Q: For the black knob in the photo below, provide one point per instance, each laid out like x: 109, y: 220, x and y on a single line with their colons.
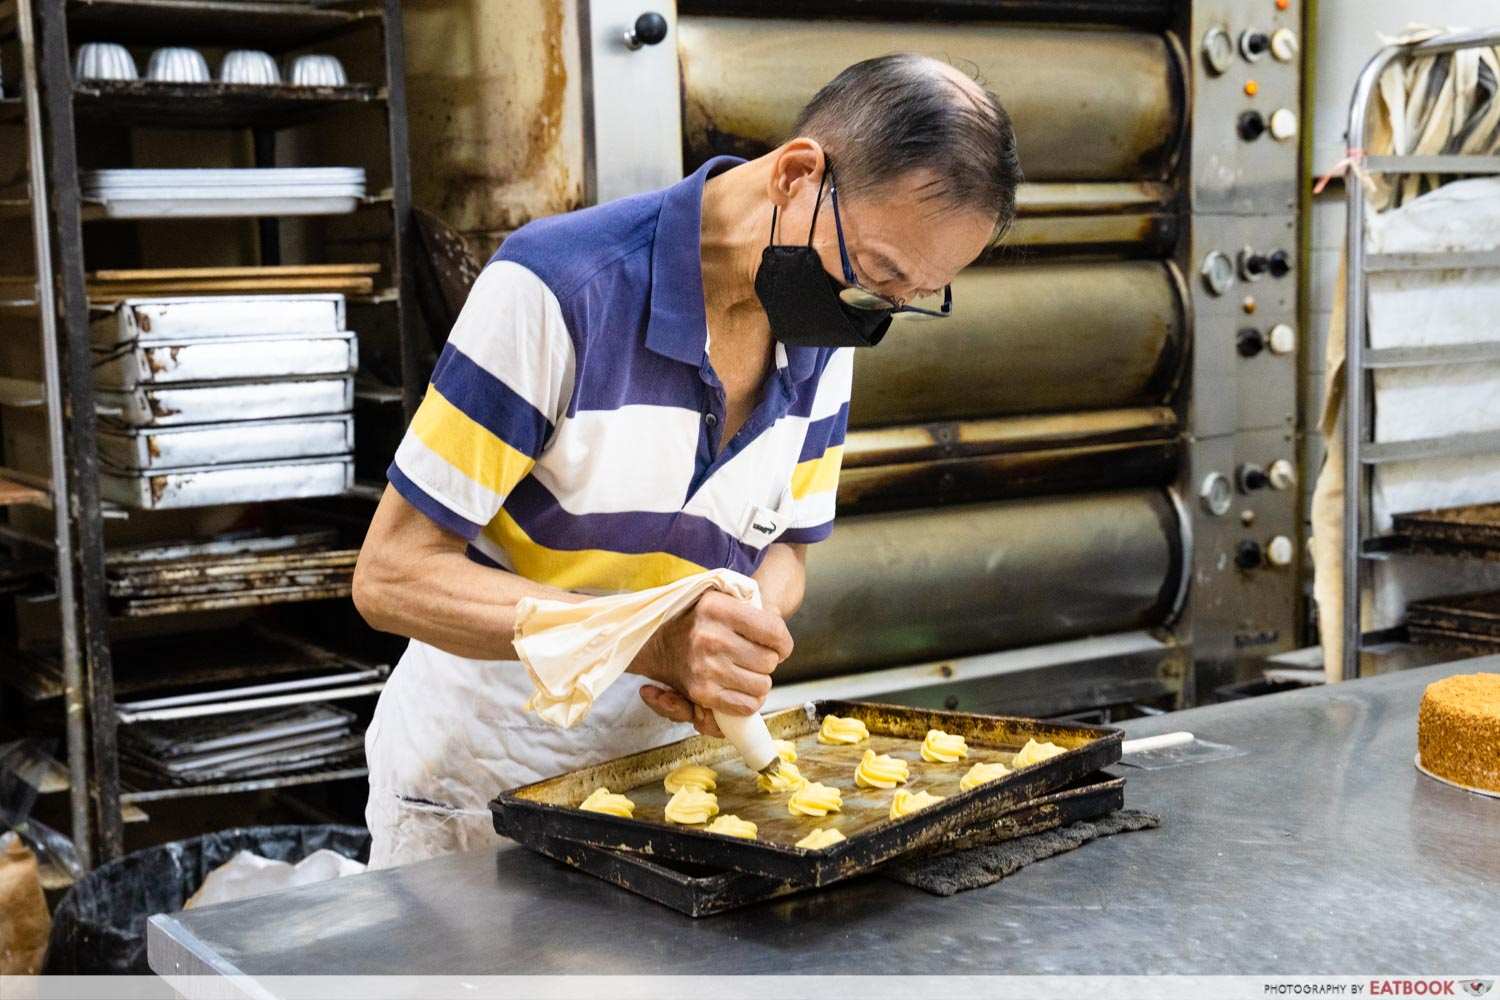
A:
x: 1251, y: 478
x: 1256, y: 264
x: 1256, y: 43
x: 1279, y: 264
x: 1252, y: 125
x: 650, y: 29
x: 1247, y: 555
x: 1250, y: 343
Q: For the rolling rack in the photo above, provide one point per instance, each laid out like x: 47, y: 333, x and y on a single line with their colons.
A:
x: 1361, y: 452
x: 83, y: 671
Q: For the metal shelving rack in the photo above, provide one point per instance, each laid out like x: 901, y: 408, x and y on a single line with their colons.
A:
x: 47, y: 30
x: 1361, y: 452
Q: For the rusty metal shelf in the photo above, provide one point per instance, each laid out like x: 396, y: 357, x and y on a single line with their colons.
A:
x: 14, y: 494
x: 250, y: 785
x: 193, y: 660
x: 157, y: 104
x: 273, y: 26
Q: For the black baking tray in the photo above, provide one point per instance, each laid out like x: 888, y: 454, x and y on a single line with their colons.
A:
x: 544, y: 811
x: 698, y: 891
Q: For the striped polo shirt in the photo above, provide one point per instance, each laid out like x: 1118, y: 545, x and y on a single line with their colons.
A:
x: 571, y: 429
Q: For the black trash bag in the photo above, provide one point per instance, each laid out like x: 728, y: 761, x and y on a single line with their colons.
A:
x: 100, y: 925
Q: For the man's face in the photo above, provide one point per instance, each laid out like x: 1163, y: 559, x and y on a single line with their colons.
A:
x: 902, y: 242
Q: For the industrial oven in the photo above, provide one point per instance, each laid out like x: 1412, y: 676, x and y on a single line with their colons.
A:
x: 1080, y: 491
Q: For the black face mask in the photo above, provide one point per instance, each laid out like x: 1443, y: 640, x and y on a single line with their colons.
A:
x: 801, y: 299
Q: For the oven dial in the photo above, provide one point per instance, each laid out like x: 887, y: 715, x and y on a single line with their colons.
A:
x: 1216, y: 494
x: 1247, y: 555
x: 1251, y: 125
x: 1284, y: 44
x: 1279, y: 551
x: 1282, y: 339
x: 1253, y: 44
x: 1249, y: 342
x: 1217, y: 272
x: 1218, y: 50
x: 1282, y: 475
x: 1283, y: 124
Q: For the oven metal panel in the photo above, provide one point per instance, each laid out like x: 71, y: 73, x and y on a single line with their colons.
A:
x: 897, y: 588
x: 1032, y: 338
x: 744, y: 80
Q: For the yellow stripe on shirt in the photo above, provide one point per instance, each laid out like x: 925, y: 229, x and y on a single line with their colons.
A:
x: 818, y: 475
x: 594, y: 570
x: 466, y: 445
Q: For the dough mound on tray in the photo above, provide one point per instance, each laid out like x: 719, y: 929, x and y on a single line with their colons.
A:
x: 981, y: 774
x: 602, y: 800
x: 786, y: 778
x: 880, y: 770
x: 732, y: 826
x: 820, y: 838
x: 907, y: 802
x: 705, y: 779
x: 815, y: 799
x: 692, y: 806
x: 1458, y: 730
x: 786, y: 750
x: 941, y: 748
x: 847, y: 731
x: 1034, y: 753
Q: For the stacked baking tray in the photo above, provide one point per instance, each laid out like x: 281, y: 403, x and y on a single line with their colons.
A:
x: 225, y: 399
x: 243, y: 746
x: 239, y: 571
x: 254, y: 191
x: 699, y: 873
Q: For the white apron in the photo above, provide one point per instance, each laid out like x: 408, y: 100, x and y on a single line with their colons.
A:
x: 449, y: 733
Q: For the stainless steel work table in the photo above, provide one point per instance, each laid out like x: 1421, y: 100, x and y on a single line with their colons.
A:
x: 1321, y: 851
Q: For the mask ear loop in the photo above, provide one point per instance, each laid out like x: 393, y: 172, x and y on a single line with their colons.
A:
x: 818, y: 205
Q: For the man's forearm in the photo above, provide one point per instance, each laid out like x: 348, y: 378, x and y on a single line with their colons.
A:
x: 449, y: 601
x: 413, y: 579
x: 783, y: 578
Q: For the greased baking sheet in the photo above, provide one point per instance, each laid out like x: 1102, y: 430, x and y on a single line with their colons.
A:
x: 548, y: 809
x: 699, y: 891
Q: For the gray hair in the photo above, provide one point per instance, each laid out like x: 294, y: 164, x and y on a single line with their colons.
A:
x: 886, y: 117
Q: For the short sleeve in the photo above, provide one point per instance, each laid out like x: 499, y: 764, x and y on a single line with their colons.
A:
x: 500, y: 386
x: 815, y: 481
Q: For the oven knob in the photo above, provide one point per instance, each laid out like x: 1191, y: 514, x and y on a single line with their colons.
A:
x: 1253, y: 44
x: 1251, y: 478
x: 1216, y: 494
x: 1253, y: 266
x: 649, y: 29
x: 1284, y: 44
x: 1250, y: 342
x: 1282, y: 475
x: 1283, y: 124
x: 1217, y: 272
x: 1279, y: 264
x: 1251, y: 125
x: 1279, y: 551
x: 1218, y: 50
x: 1282, y: 339
x: 1247, y: 555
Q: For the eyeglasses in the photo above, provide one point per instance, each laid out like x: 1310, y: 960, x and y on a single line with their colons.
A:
x: 856, y: 296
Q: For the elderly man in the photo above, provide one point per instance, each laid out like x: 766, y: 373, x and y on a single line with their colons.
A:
x: 640, y: 391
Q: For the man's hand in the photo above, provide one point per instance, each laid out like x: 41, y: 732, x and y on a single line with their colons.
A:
x: 717, y: 655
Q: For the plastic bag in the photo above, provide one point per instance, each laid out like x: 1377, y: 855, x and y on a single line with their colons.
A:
x: 100, y: 925
x: 248, y: 874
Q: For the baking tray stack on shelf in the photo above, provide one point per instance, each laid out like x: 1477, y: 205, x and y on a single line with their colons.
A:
x: 1468, y: 622
x: 224, y: 399
x: 243, y: 745
x: 234, y: 192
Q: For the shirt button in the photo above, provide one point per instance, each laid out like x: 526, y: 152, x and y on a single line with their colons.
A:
x: 710, y: 419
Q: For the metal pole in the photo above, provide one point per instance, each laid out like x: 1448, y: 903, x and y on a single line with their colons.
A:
x: 56, y: 83
x: 72, y: 664
x: 1356, y: 407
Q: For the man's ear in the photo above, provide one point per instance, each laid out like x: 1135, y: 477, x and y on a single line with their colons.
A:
x: 799, y: 162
